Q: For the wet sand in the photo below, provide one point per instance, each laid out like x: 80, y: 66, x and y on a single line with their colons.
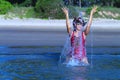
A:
x: 36, y: 32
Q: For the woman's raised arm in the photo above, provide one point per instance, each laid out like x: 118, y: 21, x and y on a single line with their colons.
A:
x: 65, y: 10
x: 90, y: 20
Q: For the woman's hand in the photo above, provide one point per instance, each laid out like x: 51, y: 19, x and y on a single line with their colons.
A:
x: 65, y: 10
x: 94, y: 9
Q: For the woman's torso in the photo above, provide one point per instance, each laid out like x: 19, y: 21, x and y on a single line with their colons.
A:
x: 78, y: 45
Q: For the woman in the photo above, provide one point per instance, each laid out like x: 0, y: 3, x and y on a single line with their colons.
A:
x: 76, y: 50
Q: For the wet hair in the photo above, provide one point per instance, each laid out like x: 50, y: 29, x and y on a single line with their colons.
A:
x: 78, y: 20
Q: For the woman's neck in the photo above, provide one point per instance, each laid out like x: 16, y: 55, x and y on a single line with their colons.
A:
x: 76, y: 33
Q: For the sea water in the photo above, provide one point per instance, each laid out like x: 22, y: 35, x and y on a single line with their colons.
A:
x: 30, y: 63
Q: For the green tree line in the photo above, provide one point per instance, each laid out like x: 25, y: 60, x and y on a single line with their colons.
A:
x: 84, y: 3
x: 52, y: 8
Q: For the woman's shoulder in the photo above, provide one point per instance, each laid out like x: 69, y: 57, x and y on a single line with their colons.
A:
x: 71, y: 33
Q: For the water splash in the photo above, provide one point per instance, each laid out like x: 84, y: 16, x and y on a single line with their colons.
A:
x: 91, y: 38
x: 80, y: 14
x: 75, y: 62
x: 72, y: 61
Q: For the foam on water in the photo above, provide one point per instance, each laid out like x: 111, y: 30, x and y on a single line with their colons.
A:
x: 75, y: 62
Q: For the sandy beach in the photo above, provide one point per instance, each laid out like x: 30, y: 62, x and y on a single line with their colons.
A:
x: 32, y: 23
x: 38, y: 32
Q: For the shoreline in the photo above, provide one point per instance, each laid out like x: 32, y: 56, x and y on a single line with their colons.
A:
x: 32, y: 24
x: 37, y: 32
x: 29, y: 22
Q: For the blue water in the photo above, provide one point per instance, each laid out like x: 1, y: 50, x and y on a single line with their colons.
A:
x: 41, y: 63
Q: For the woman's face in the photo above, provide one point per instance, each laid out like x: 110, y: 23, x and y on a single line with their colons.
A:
x: 78, y: 26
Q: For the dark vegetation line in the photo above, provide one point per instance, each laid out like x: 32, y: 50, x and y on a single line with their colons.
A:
x: 40, y: 9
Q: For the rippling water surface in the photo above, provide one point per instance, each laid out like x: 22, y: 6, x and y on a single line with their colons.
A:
x: 41, y: 63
